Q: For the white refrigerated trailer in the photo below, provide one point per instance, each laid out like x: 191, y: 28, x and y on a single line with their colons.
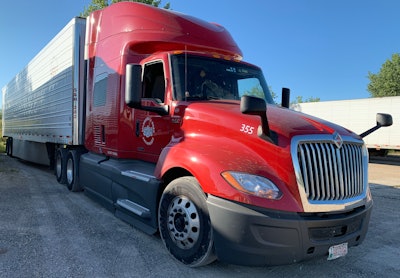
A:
x: 357, y: 114
x: 43, y: 105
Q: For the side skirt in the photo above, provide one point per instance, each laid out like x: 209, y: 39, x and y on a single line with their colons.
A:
x: 128, y: 188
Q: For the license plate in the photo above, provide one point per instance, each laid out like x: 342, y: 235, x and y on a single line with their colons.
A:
x: 337, y: 251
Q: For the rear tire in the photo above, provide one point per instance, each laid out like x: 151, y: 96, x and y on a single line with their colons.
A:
x: 72, y: 171
x: 380, y: 153
x: 60, y: 165
x: 184, y: 223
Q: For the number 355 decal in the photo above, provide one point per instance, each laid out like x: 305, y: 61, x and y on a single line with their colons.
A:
x: 247, y: 129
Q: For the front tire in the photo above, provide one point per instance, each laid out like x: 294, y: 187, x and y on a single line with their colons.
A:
x: 184, y: 223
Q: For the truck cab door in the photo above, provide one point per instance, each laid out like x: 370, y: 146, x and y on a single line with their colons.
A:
x: 153, y: 129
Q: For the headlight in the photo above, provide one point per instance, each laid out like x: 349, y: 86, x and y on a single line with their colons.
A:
x: 252, y: 184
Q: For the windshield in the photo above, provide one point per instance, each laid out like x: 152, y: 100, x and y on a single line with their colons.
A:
x: 202, y: 78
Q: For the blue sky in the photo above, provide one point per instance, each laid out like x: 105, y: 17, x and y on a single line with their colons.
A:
x: 316, y: 48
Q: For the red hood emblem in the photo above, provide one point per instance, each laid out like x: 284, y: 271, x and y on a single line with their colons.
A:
x: 337, y: 139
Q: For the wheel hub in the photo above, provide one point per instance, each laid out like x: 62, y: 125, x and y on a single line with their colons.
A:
x: 179, y: 222
x: 183, y: 222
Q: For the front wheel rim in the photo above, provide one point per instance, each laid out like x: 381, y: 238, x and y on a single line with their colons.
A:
x: 183, y: 222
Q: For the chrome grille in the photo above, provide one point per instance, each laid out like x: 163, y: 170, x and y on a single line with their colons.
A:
x: 329, y: 173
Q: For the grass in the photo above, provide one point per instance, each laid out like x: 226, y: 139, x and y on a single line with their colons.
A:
x: 8, y: 170
x: 2, y: 145
x: 394, y: 152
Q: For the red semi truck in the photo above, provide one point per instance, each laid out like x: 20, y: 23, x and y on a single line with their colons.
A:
x: 154, y: 115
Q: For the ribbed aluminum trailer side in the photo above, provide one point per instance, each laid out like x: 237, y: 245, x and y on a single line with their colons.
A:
x: 43, y: 106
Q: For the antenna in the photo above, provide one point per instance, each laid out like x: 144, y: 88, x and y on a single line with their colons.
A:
x: 186, y: 92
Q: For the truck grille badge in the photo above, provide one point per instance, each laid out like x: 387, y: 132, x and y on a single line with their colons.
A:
x: 337, y: 139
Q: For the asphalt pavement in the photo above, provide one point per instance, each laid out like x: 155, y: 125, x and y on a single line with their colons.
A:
x: 47, y: 231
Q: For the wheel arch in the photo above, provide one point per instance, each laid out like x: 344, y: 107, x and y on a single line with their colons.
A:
x: 174, y: 173
x: 170, y: 175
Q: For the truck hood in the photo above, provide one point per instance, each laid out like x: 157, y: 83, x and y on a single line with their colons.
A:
x: 225, y: 116
x: 218, y: 137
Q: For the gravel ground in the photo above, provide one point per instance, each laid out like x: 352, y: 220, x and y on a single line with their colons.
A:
x: 47, y: 231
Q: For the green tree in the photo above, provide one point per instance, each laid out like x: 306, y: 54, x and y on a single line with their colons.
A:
x: 273, y: 94
x: 256, y: 91
x: 100, y: 4
x: 387, y: 81
x: 299, y: 99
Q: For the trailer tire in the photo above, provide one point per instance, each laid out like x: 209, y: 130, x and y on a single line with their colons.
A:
x: 60, y: 165
x: 184, y: 223
x: 72, y: 171
x: 380, y: 152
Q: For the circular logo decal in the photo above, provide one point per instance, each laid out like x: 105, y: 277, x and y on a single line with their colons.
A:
x: 148, y: 131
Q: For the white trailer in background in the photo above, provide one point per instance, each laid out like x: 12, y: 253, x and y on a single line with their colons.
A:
x: 357, y: 115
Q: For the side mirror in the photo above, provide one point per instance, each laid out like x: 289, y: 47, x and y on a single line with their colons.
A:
x: 133, y: 91
x: 381, y: 120
x: 384, y: 119
x: 133, y: 86
x: 252, y: 105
